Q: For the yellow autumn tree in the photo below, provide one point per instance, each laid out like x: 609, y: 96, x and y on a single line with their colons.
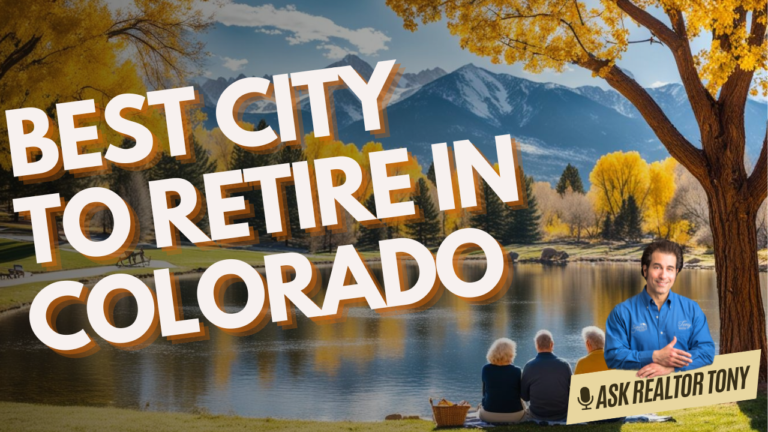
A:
x: 660, y: 192
x: 54, y: 52
x: 552, y: 34
x: 617, y: 176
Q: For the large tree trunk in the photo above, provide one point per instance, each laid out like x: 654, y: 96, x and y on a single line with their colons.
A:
x: 742, y: 316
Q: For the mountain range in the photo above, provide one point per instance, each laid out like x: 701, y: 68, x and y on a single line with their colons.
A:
x: 553, y: 124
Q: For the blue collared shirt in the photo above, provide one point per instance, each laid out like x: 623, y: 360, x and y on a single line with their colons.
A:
x: 636, y: 328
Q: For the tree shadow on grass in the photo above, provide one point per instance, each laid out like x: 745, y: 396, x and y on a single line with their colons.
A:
x: 755, y: 410
x: 17, y: 252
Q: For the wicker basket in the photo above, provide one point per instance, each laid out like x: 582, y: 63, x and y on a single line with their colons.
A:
x: 446, y: 416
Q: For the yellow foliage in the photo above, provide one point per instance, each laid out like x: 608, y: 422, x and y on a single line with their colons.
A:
x: 678, y: 231
x: 660, y: 193
x: 55, y: 52
x: 617, y: 176
x: 556, y: 229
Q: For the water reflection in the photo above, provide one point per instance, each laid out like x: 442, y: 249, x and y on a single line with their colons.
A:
x: 361, y: 369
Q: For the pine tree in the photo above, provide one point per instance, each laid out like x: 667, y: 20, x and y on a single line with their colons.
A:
x: 369, y: 237
x: 291, y: 154
x: 523, y: 224
x: 634, y: 220
x: 243, y: 159
x: 494, y: 218
x: 431, y: 173
x: 570, y: 178
x: 170, y: 167
x: 426, y: 229
x: 607, y: 230
x: 620, y: 222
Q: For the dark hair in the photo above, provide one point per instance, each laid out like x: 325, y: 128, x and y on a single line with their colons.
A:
x: 663, y: 246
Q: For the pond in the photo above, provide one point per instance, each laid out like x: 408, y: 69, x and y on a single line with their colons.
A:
x: 361, y: 369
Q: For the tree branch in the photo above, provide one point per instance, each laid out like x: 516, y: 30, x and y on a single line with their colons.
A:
x: 17, y: 55
x: 702, y: 103
x: 664, y: 33
x: 758, y: 180
x: 733, y: 95
x: 677, y: 40
x: 677, y: 145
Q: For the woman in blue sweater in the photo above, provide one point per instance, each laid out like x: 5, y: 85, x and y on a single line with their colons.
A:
x: 501, y: 385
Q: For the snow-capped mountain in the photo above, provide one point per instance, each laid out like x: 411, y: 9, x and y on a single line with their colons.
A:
x: 346, y: 105
x: 553, y: 124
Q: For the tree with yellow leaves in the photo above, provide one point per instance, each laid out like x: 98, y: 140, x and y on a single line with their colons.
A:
x: 53, y: 52
x: 549, y: 34
x: 661, y: 189
x: 617, y: 176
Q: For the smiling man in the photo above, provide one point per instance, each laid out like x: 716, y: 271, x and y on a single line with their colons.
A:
x: 658, y: 331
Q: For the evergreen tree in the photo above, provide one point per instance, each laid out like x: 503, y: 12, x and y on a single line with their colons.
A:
x: 634, y: 220
x: 291, y: 154
x: 426, y: 229
x: 243, y: 159
x: 620, y: 222
x: 494, y: 218
x: 607, y: 231
x: 369, y: 237
x: 570, y: 177
x: 431, y: 173
x: 523, y: 224
x: 170, y: 167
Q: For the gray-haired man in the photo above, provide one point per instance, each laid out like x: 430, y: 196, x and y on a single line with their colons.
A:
x: 546, y: 381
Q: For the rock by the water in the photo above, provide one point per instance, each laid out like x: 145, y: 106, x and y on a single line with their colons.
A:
x: 394, y: 417
x: 513, y: 256
x: 547, y: 254
x: 693, y: 261
x: 551, y: 254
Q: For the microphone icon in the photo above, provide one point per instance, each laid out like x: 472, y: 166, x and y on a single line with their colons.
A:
x: 584, y: 396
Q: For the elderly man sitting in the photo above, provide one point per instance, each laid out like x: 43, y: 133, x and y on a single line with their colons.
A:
x: 546, y: 382
x: 594, y: 339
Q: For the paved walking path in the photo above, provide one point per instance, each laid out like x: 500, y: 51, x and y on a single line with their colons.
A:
x: 76, y: 274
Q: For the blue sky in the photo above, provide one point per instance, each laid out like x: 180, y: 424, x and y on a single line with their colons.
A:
x: 257, y: 38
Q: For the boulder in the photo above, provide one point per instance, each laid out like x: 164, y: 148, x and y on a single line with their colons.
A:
x: 513, y: 256
x: 551, y: 254
x: 693, y: 261
x: 547, y: 254
x: 394, y: 417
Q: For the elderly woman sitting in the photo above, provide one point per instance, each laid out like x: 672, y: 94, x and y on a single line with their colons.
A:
x: 501, y: 385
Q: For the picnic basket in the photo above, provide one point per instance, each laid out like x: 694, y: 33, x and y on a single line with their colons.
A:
x: 452, y: 415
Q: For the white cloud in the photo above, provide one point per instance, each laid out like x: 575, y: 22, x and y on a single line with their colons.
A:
x: 234, y: 64
x: 208, y: 74
x: 658, y: 84
x: 269, y: 31
x: 300, y: 27
x: 334, y: 52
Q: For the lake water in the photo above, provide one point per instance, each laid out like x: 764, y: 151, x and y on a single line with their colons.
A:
x: 362, y: 369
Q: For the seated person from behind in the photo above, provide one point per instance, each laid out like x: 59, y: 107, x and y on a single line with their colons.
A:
x: 501, y: 385
x: 594, y: 361
x: 546, y: 382
x: 658, y: 331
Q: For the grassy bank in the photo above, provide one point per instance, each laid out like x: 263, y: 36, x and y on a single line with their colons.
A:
x: 16, y: 252
x: 742, y: 416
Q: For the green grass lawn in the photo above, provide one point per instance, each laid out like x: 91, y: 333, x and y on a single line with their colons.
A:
x: 742, y: 416
x: 15, y: 296
x: 15, y: 252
